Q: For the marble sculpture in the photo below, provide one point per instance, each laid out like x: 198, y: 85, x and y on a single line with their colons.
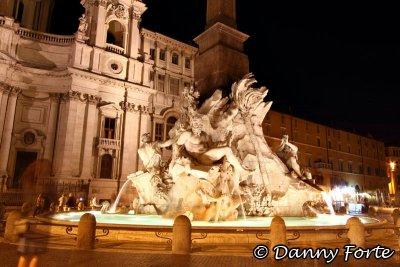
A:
x: 221, y: 165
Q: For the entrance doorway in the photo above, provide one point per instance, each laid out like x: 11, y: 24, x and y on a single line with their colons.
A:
x: 21, y: 171
x: 106, y: 166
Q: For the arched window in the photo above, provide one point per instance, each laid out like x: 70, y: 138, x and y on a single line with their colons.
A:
x: 175, y: 58
x: 170, y: 124
x: 115, y: 33
x: 106, y: 166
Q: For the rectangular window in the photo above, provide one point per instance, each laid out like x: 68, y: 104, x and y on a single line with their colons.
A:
x: 159, y: 132
x: 329, y: 144
x: 174, y: 86
x: 187, y: 63
x: 109, y: 128
x: 152, y: 53
x: 350, y: 167
x: 151, y: 76
x: 160, y: 83
x: 318, y: 142
x: 162, y: 54
x: 175, y: 59
x: 369, y: 170
x: 283, y: 131
x: 360, y: 169
x: 341, y: 165
x: 348, y: 149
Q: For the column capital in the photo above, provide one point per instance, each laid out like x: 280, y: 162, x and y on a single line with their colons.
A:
x: 138, y: 8
x: 130, y: 107
x: 72, y: 96
x: 9, y: 89
x: 92, y: 99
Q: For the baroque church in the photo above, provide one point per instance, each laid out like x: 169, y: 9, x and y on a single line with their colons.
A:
x: 73, y: 108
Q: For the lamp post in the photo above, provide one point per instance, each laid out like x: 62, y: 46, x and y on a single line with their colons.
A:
x: 393, y: 180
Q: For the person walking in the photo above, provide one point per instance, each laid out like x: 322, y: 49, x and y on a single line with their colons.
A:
x: 70, y: 202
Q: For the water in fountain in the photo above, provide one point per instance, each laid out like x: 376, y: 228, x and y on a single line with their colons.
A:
x: 115, y: 204
x: 328, y: 201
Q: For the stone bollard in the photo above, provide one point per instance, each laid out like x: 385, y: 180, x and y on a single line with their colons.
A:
x: 356, y: 232
x: 86, y: 232
x: 398, y: 228
x: 10, y: 234
x: 395, y: 216
x: 181, y: 235
x: 278, y: 232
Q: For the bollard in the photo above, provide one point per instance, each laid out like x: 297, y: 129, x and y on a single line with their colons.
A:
x: 356, y: 232
x: 278, y: 232
x: 395, y: 216
x: 10, y: 234
x: 181, y: 235
x: 86, y: 232
x: 398, y: 229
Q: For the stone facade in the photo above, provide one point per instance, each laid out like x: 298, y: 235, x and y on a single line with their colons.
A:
x: 73, y: 108
x: 335, y: 157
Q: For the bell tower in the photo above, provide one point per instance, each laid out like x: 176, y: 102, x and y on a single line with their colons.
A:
x: 112, y: 22
x: 221, y: 60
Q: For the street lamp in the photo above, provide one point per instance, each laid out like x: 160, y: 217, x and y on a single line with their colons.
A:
x: 392, y: 165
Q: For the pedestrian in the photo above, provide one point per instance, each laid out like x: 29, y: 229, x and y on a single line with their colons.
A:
x: 61, y: 202
x: 70, y: 202
x: 39, y: 206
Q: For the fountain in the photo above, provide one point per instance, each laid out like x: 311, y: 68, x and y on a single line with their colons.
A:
x: 222, y: 173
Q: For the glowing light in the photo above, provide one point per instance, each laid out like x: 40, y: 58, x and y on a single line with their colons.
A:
x: 392, y: 165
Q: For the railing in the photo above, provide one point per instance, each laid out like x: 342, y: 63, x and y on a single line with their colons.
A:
x: 109, y: 143
x: 115, y: 49
x: 45, y: 37
x: 323, y: 165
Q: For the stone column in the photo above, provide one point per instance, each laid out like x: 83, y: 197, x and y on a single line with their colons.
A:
x: 78, y: 136
x: 138, y: 9
x: 52, y: 126
x: 3, y: 106
x: 130, y: 142
x: 167, y: 57
x: 157, y: 54
x: 90, y: 133
x: 62, y: 166
x: 7, y: 130
x: 145, y: 121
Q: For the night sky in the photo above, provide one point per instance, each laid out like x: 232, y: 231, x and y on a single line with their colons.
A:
x: 333, y: 64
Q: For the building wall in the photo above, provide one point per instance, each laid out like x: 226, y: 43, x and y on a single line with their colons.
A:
x: 334, y: 156
x: 59, y: 93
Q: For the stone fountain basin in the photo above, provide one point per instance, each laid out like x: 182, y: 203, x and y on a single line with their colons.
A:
x: 325, y: 230
x: 135, y: 221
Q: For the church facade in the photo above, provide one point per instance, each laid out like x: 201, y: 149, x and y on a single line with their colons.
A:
x: 73, y: 108
x: 77, y: 105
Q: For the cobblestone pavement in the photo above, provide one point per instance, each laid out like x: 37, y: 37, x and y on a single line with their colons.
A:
x: 72, y: 257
